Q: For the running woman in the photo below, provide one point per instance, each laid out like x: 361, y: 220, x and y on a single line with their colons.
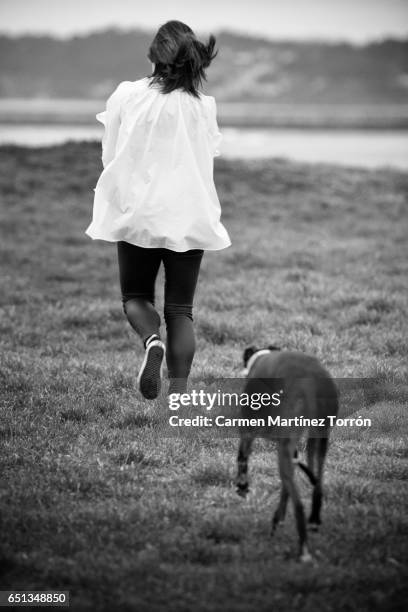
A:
x: 156, y: 196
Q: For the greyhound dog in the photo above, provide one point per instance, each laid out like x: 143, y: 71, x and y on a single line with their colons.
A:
x: 307, y: 392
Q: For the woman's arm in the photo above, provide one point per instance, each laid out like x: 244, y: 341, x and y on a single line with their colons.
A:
x: 110, y: 118
x: 215, y: 134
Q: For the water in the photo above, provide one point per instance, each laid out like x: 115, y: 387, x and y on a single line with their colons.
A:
x: 366, y: 148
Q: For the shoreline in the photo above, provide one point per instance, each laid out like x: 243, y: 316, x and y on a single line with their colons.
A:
x: 272, y: 149
x: 60, y: 111
x: 256, y: 123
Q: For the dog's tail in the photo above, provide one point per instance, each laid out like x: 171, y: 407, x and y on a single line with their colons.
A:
x: 305, y: 469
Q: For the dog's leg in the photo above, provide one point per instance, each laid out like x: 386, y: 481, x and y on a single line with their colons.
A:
x: 321, y: 445
x: 286, y: 470
x: 244, y: 451
x: 310, y: 452
x: 280, y: 511
x: 312, y: 448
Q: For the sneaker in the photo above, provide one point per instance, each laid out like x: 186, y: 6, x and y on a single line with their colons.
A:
x: 149, y: 378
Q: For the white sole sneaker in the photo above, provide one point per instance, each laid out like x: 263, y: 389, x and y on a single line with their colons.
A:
x: 151, y: 371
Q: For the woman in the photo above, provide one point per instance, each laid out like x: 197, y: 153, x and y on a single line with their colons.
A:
x: 156, y: 196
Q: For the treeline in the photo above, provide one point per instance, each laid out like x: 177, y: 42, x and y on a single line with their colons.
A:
x: 247, y: 68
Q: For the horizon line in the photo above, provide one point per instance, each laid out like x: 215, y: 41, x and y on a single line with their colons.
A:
x: 219, y: 31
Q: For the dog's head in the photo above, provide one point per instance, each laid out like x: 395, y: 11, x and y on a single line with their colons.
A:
x: 251, y: 350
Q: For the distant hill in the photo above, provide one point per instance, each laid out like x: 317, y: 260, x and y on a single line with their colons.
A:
x: 246, y: 69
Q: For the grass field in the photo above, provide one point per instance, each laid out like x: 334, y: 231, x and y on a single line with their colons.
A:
x: 94, y: 500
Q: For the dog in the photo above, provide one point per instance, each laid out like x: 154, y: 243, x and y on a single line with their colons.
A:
x: 307, y: 391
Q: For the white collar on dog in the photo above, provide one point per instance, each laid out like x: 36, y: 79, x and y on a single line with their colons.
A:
x: 252, y: 360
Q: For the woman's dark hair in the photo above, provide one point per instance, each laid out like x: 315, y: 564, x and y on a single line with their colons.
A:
x: 180, y: 58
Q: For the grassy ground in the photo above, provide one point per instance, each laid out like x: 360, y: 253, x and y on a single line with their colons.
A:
x: 94, y: 500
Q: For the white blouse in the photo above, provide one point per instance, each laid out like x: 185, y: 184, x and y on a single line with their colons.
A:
x: 157, y: 187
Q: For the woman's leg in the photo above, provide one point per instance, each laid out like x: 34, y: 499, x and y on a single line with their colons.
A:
x: 181, y: 271
x: 138, y: 268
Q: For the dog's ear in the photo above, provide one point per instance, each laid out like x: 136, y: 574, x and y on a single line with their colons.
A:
x: 272, y: 347
x: 249, y: 351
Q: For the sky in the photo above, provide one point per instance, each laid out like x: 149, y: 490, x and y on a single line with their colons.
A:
x: 352, y: 20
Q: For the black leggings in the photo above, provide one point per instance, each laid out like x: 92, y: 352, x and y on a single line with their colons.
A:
x: 138, y: 268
